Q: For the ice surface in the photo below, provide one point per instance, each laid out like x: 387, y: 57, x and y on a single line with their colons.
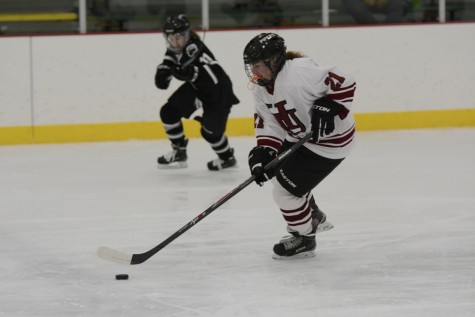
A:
x: 403, y: 206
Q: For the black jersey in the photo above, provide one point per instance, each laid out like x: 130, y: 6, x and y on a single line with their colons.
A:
x: 212, y: 85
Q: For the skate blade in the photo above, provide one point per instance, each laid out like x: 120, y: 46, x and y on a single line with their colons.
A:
x: 324, y: 227
x: 174, y: 165
x: 308, y: 254
x: 321, y: 228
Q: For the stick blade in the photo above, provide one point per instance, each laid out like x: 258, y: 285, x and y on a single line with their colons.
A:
x: 114, y: 255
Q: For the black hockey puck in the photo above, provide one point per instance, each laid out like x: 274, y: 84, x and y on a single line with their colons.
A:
x: 122, y: 277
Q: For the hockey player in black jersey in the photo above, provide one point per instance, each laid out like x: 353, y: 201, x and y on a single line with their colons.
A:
x: 205, y: 85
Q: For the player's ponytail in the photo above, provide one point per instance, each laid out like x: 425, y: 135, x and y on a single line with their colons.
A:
x: 194, y: 35
x: 294, y: 54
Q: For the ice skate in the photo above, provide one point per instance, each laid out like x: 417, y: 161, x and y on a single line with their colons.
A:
x: 176, y: 158
x: 296, y: 247
x: 219, y: 163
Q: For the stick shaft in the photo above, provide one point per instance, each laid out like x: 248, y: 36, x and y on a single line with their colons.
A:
x: 139, y: 258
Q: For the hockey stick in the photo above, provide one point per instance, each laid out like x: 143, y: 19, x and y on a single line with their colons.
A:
x: 126, y: 258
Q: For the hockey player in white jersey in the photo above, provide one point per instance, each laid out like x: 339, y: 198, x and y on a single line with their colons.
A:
x: 293, y: 95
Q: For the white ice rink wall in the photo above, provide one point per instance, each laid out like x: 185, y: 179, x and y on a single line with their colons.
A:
x: 100, y: 87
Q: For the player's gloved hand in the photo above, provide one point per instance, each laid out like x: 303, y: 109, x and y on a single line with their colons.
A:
x: 259, y: 157
x: 163, y: 76
x: 188, y: 73
x: 323, y: 116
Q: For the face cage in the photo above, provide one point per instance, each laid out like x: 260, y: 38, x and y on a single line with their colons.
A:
x: 254, y: 78
x: 168, y: 39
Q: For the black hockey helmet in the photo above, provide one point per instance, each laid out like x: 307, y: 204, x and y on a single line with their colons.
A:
x: 269, y: 48
x: 175, y: 25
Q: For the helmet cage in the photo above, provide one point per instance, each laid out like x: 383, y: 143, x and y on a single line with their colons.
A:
x: 274, y: 64
x: 173, y: 39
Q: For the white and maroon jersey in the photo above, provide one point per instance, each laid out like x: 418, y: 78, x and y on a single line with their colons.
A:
x: 285, y: 111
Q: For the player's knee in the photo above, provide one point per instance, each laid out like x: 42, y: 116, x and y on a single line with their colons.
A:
x: 168, y: 114
x: 210, y: 136
x: 283, y: 198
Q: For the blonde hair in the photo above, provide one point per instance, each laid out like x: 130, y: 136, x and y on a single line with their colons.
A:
x: 294, y: 54
x: 194, y: 35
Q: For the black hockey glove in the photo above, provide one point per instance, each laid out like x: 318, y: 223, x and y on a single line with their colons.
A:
x: 259, y: 157
x: 323, y: 116
x: 189, y: 73
x: 163, y: 77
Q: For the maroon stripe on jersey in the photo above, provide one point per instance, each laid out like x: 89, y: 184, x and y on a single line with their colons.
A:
x: 340, y: 140
x: 343, y: 113
x: 342, y: 95
x: 336, y: 145
x: 346, y: 100
x: 270, y: 141
x: 347, y: 87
